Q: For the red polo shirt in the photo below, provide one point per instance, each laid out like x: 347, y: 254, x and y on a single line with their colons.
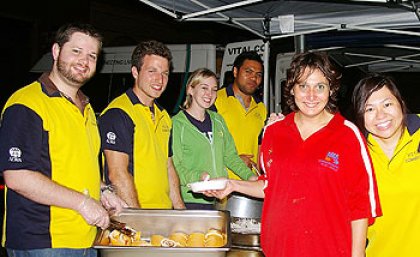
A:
x: 315, y: 188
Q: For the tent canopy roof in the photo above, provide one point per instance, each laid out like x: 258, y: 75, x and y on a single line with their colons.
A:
x: 276, y: 19
x: 321, y: 21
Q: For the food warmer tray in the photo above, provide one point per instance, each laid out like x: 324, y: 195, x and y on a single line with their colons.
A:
x: 165, y: 222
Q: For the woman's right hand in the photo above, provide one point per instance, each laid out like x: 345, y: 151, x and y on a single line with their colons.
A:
x: 222, y: 193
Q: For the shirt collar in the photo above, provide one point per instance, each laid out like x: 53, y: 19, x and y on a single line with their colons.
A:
x: 230, y: 92
x: 50, y: 89
x: 413, y: 123
x: 333, y: 124
x: 135, y: 100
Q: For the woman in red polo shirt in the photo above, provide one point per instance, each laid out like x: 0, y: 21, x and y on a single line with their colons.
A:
x: 319, y: 188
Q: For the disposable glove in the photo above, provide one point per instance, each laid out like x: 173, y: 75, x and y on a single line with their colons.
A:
x: 112, y: 202
x: 93, y: 212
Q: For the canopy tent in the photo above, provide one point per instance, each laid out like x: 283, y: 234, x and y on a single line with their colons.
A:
x: 270, y: 20
x: 277, y: 19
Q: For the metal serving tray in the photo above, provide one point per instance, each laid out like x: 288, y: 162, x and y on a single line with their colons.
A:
x: 166, y: 222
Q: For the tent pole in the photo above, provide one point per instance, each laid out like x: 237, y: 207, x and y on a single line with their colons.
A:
x: 300, y: 43
x: 266, y: 74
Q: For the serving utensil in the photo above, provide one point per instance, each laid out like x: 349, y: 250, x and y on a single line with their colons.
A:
x: 122, y: 227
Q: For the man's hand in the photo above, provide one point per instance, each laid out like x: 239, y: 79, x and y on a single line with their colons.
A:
x: 112, y: 202
x: 247, y: 159
x: 93, y: 212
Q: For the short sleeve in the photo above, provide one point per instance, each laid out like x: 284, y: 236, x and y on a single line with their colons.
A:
x: 21, y: 137
x: 117, y: 131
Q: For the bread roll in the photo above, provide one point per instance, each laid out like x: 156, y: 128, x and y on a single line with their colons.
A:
x: 136, y: 237
x: 180, y: 238
x: 214, y: 241
x: 104, y: 237
x: 140, y: 243
x: 195, y: 240
x: 156, y: 240
x: 118, y: 239
x: 214, y: 238
x: 168, y: 243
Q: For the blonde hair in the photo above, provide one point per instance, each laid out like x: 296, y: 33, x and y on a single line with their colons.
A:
x: 195, y: 79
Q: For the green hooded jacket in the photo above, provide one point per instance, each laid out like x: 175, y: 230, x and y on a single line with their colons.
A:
x: 193, y: 154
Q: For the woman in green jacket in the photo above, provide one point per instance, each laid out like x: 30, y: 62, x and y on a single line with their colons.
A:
x: 202, y: 145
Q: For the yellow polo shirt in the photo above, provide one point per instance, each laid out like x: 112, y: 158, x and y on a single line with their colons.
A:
x: 147, y: 147
x: 244, y: 125
x: 49, y: 135
x: 397, y: 232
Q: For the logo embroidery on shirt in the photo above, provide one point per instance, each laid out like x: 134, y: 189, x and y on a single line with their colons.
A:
x: 165, y: 128
x: 258, y: 116
x: 110, y: 138
x: 15, y: 154
x: 412, y: 156
x: 331, y: 161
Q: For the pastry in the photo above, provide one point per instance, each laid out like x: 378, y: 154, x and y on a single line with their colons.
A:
x: 180, y: 238
x: 156, y: 240
x: 214, y: 238
x: 195, y: 240
x: 119, y: 239
x: 105, y: 237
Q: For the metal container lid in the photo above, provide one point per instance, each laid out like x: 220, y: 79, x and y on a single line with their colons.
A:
x: 242, y: 206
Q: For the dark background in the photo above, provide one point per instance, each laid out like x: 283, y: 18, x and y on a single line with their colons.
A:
x: 27, y: 33
x: 27, y: 29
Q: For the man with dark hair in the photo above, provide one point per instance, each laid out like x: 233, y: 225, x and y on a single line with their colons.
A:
x: 244, y: 112
x: 135, y: 135
x: 49, y: 156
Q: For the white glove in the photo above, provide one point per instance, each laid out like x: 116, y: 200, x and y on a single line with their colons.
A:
x: 112, y: 202
x: 93, y: 212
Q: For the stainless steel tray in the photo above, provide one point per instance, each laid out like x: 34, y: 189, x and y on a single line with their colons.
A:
x: 166, y: 222
x: 162, y: 252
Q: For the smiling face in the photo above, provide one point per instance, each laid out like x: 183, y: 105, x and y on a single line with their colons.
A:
x: 204, y: 93
x: 151, y: 79
x: 311, y: 93
x: 383, y: 115
x: 76, y: 60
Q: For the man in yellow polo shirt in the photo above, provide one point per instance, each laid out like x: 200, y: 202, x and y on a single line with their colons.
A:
x: 135, y: 135
x: 49, y: 154
x: 244, y: 112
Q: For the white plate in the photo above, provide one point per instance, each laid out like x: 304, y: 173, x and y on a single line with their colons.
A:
x: 201, y: 186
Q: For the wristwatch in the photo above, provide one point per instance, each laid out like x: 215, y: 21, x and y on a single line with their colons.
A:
x: 109, y: 188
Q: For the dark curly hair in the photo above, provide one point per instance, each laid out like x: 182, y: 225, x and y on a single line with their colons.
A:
x: 247, y: 55
x: 312, y: 61
x: 365, y: 88
x: 151, y: 47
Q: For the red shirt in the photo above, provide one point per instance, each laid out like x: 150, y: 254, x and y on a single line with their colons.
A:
x: 315, y: 188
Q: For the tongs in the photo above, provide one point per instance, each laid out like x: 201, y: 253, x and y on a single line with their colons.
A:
x: 122, y: 227
x: 255, y: 169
